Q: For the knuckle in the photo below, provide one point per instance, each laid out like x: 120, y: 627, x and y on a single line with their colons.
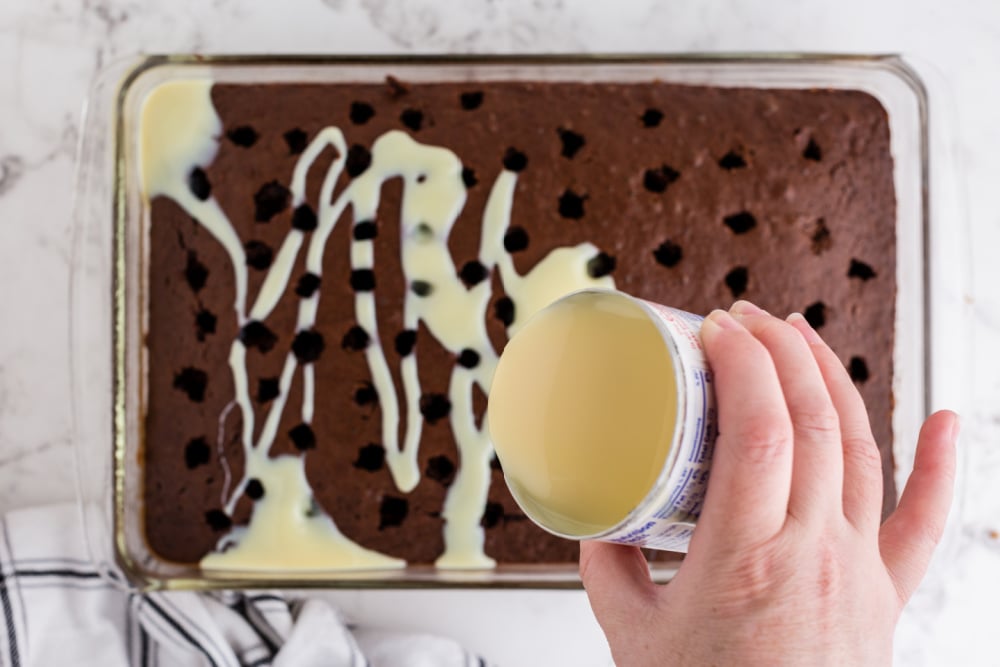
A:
x: 762, y: 440
x: 819, y: 422
x: 862, y: 453
x: 762, y: 572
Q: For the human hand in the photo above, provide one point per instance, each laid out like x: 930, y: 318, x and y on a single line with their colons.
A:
x: 788, y: 564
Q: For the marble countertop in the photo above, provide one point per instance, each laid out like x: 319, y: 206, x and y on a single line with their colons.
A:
x: 53, y: 48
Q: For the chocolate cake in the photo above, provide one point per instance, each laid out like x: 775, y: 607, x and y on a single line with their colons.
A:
x: 388, y: 238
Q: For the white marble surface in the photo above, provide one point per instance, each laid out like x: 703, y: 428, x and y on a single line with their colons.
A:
x: 50, y: 49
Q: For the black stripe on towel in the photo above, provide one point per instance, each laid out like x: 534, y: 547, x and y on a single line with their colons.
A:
x: 69, y: 574
x: 181, y: 631
x: 8, y: 617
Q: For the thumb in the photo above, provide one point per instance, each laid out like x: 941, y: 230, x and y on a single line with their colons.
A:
x: 909, y: 536
x: 617, y: 581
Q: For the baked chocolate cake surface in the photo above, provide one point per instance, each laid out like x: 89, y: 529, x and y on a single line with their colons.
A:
x: 688, y: 196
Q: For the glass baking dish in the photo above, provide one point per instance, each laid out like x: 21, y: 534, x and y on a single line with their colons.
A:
x: 107, y: 299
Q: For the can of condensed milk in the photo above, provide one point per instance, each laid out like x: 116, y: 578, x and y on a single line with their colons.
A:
x: 603, y: 417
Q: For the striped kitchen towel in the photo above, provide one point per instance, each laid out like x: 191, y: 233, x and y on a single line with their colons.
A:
x: 57, y: 610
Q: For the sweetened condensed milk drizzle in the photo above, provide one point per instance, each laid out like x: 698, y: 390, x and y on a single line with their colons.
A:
x: 287, y: 530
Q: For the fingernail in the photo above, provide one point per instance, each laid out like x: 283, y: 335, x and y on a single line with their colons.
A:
x: 745, y: 308
x: 956, y: 428
x: 722, y: 319
x: 798, y: 321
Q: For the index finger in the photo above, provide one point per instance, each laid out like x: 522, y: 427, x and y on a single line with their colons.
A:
x: 748, y: 490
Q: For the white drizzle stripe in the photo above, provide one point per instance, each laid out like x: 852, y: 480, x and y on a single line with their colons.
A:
x: 180, y: 130
x: 330, y: 136
x: 273, y: 420
x: 466, y: 499
x: 276, y: 282
x: 327, y: 218
x: 241, y: 391
x: 496, y: 219
x: 308, y: 392
x: 414, y: 420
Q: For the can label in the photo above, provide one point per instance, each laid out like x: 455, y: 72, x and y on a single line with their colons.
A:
x: 667, y: 516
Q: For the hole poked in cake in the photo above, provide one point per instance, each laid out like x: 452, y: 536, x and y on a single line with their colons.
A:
x: 421, y: 288
x: 195, y: 273
x: 270, y: 199
x: 441, y: 469
x: 405, y: 342
x: 197, y: 452
x: 304, y: 218
x: 820, y: 239
x: 857, y: 367
x: 737, y: 280
x: 254, y: 489
x: 296, y: 139
x: 571, y: 204
x: 193, y: 382
x: 268, y: 389
x: 307, y: 285
x: 434, y: 407
x: 815, y: 314
x: 515, y: 240
x: 659, y: 178
x: 243, y: 136
x: 469, y: 177
x: 740, y: 223
x: 358, y: 160
x: 493, y: 514
x: 600, y: 265
x: 668, y: 253
x: 861, y: 270
x: 514, y: 160
x: 422, y: 233
x: 356, y: 339
x: 308, y: 346
x: 651, y: 117
x: 468, y: 358
x: 199, y: 184
x: 392, y: 511
x: 572, y: 142
x: 361, y: 112
x: 218, y: 520
x: 362, y: 280
x: 503, y: 310
x: 812, y: 151
x: 471, y: 100
x: 302, y: 437
x: 473, y: 272
x: 371, y: 457
x: 412, y: 118
x: 259, y: 255
x: 366, y: 230
x: 365, y: 395
x: 732, y: 160
x: 256, y: 334
x: 204, y: 324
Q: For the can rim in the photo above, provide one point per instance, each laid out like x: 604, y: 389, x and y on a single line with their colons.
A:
x: 660, y: 486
